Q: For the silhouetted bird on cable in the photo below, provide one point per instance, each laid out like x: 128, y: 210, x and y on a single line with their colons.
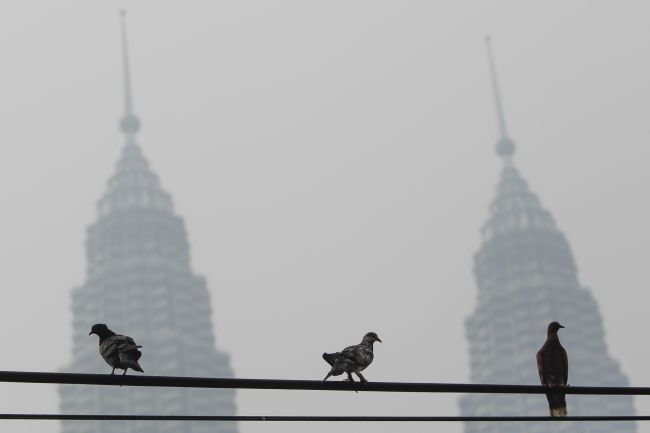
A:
x: 352, y: 359
x: 553, y: 369
x: 119, y: 351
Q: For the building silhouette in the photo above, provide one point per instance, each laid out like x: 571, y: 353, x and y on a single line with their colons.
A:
x: 140, y: 282
x: 526, y: 277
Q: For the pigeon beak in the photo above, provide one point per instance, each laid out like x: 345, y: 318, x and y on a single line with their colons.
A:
x: 379, y: 339
x: 91, y: 333
x: 561, y: 326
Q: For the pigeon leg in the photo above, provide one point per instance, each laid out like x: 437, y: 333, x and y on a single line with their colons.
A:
x: 363, y: 379
x: 124, y: 374
x: 113, y: 372
x: 350, y: 379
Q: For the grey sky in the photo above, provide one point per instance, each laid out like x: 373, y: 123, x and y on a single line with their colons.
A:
x: 333, y: 161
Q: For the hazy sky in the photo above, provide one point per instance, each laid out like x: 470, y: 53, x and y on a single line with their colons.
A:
x: 333, y: 161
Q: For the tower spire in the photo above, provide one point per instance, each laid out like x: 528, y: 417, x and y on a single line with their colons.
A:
x: 505, y: 146
x: 129, y: 123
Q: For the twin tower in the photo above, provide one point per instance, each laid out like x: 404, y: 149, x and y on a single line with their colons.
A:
x: 527, y: 278
x: 139, y: 279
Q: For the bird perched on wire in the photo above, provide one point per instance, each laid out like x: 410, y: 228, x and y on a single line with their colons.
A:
x: 352, y: 359
x: 553, y: 369
x: 119, y: 351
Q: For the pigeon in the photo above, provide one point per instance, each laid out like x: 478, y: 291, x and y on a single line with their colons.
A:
x: 119, y: 351
x: 353, y: 359
x: 553, y: 369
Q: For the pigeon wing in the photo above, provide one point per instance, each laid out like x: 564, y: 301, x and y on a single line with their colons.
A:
x: 127, y: 352
x: 565, y: 367
x: 540, y: 366
x: 124, y: 343
x: 360, y: 356
x: 352, y: 354
x: 116, y: 344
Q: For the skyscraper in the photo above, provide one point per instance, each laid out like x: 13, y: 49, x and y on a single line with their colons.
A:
x: 526, y: 278
x: 139, y: 281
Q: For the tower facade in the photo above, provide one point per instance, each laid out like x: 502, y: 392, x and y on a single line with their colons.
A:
x: 139, y: 281
x: 526, y: 277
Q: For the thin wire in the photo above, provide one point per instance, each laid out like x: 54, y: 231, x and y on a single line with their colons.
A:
x: 210, y: 382
x: 282, y: 418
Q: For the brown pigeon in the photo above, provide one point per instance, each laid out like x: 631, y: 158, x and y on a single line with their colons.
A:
x: 119, y: 351
x: 352, y: 359
x: 553, y: 369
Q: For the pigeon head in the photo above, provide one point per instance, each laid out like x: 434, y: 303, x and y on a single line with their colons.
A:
x: 553, y: 327
x: 101, y: 330
x: 371, y: 337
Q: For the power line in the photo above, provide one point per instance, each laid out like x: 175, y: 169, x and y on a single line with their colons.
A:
x: 282, y: 418
x: 282, y: 384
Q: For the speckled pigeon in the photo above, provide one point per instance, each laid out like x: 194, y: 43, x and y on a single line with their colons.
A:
x: 352, y: 359
x: 553, y: 369
x: 119, y: 351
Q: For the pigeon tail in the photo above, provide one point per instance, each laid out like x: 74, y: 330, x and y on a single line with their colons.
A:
x: 334, y: 360
x: 132, y: 364
x: 130, y: 360
x: 560, y: 411
x: 330, y: 358
x: 336, y: 370
x: 137, y: 367
x: 556, y: 404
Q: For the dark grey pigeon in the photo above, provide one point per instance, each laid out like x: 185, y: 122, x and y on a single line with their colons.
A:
x: 119, y: 351
x: 353, y: 359
x: 553, y: 369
